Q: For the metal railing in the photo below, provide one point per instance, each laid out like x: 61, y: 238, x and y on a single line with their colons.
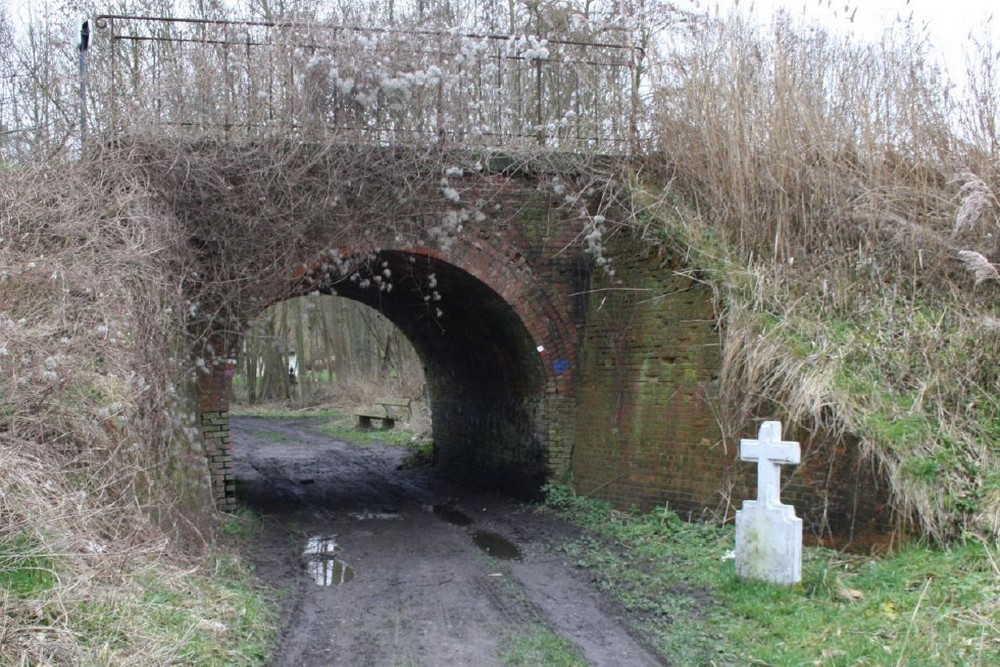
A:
x: 246, y: 78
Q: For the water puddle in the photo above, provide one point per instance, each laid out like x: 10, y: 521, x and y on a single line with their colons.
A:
x: 382, y: 514
x: 496, y: 546
x: 451, y: 515
x: 330, y: 571
x: 322, y: 562
x: 319, y: 545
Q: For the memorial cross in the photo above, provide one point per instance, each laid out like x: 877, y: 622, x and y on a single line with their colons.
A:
x: 770, y: 452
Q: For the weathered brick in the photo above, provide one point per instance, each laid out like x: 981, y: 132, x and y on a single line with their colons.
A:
x: 622, y: 396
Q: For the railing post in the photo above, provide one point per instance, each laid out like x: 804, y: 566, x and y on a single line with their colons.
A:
x: 634, y: 102
x: 539, y: 129
x: 84, y: 44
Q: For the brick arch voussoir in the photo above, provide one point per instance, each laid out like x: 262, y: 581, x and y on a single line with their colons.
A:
x: 507, y: 272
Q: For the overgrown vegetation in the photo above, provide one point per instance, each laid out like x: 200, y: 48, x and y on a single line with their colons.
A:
x: 106, y: 553
x: 833, y: 194
x: 920, y: 606
x: 839, y: 199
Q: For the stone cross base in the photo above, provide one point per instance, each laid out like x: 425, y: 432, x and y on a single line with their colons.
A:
x: 768, y: 543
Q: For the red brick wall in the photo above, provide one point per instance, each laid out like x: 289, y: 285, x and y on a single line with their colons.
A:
x: 647, y: 432
x: 622, y: 399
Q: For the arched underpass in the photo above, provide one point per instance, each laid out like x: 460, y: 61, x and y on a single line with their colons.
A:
x: 485, y: 377
x: 540, y: 365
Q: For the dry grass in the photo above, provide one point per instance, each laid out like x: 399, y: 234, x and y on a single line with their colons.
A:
x: 102, y: 479
x: 826, y: 191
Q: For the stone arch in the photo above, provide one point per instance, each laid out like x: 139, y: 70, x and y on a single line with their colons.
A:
x: 497, y: 350
x: 511, y: 293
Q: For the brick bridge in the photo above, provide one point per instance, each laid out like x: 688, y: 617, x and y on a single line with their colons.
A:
x: 541, y: 365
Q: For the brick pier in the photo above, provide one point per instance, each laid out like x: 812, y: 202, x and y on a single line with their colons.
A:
x: 214, y: 389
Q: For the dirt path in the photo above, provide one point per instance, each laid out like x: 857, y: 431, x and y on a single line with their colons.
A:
x: 394, y: 575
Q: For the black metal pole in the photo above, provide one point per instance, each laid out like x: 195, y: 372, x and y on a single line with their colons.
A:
x: 84, y: 43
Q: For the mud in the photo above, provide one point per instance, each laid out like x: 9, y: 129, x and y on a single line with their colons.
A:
x: 378, y: 565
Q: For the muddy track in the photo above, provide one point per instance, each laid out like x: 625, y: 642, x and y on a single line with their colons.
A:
x: 382, y: 566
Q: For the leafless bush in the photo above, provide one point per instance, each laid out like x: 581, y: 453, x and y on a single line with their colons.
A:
x: 335, y: 346
x: 100, y: 465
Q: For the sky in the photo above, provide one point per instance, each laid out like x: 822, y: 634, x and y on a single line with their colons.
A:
x: 948, y: 22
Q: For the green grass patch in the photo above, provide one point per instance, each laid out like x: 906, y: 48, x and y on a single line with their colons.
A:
x: 210, y: 612
x: 396, y: 436
x: 330, y: 422
x: 272, y: 436
x: 215, y: 616
x: 241, y: 525
x: 421, y: 453
x: 541, y: 648
x: 920, y: 606
x: 345, y: 428
x: 26, y: 569
x: 238, y: 628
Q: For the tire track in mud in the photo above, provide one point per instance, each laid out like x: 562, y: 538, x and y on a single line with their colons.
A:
x: 423, y: 594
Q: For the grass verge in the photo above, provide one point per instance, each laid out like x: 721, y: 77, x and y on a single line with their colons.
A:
x: 213, y: 615
x: 541, y: 647
x: 99, y: 602
x: 919, y: 606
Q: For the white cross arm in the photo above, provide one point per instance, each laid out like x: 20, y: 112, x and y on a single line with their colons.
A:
x: 770, y: 447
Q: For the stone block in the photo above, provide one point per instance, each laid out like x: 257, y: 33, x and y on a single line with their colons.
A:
x: 768, y: 543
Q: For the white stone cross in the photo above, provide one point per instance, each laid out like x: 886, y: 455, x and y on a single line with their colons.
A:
x: 770, y: 452
x: 768, y: 534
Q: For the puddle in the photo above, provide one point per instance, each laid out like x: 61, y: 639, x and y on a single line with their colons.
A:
x: 319, y: 545
x: 322, y: 562
x: 330, y: 571
x: 496, y: 546
x: 382, y: 514
x: 452, y: 515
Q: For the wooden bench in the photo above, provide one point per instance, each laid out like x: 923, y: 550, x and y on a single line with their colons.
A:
x: 388, y: 410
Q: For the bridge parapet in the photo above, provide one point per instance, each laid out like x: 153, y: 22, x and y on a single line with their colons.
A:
x: 251, y: 79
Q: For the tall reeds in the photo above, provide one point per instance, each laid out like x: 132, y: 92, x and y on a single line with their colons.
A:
x: 848, y: 183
